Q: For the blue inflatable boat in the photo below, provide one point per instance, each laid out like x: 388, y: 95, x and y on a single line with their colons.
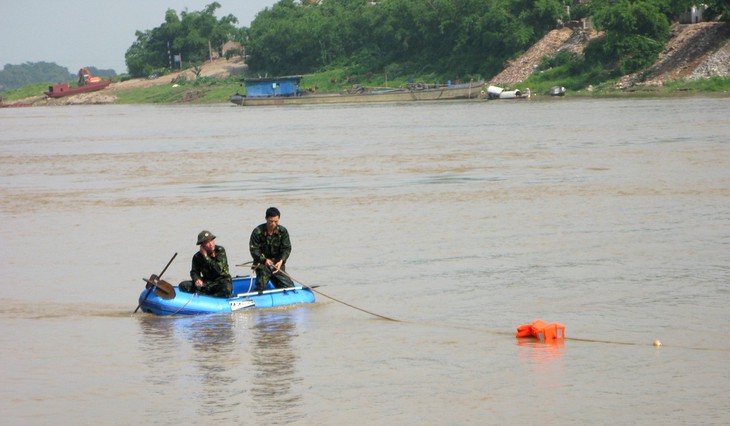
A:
x: 244, y: 297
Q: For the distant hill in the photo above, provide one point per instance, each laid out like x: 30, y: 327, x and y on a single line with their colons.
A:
x: 15, y: 76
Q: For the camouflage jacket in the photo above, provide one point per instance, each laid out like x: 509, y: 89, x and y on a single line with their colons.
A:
x: 275, y: 247
x: 210, y: 268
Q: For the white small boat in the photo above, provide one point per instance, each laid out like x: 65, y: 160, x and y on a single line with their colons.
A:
x: 495, y: 92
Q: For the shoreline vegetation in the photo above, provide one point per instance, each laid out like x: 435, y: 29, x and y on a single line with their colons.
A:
x: 172, y: 89
x: 538, y: 69
x: 597, y: 52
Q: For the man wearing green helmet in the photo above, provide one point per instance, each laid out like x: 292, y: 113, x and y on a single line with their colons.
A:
x: 209, y: 272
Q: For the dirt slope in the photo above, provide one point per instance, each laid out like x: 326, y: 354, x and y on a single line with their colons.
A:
x: 555, y: 41
x: 693, y: 51
x: 214, y: 68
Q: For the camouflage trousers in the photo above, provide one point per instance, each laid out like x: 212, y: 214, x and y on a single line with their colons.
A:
x: 264, y: 275
x: 222, y: 287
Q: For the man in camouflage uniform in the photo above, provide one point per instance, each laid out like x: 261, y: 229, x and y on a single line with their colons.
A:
x: 270, y: 248
x: 209, y: 272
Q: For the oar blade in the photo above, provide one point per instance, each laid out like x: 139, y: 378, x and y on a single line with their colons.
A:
x: 156, y: 278
x: 162, y: 288
x: 165, y: 290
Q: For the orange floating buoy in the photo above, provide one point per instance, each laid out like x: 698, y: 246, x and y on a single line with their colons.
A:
x: 524, y: 330
x: 542, y: 331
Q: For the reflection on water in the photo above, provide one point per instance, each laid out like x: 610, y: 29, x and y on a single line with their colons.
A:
x: 213, y: 340
x: 276, y: 361
x: 544, y: 362
x: 231, y: 366
x: 202, y: 355
x: 536, y: 353
x: 157, y: 344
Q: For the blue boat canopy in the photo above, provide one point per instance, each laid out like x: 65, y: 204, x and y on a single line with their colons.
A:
x: 275, y: 86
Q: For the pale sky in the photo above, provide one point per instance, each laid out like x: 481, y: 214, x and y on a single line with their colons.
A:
x: 97, y: 33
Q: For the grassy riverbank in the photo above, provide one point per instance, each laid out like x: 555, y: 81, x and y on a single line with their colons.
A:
x: 541, y: 84
x: 208, y: 90
x: 714, y: 85
x: 212, y: 90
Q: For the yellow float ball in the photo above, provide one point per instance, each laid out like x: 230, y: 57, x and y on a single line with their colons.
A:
x: 657, y: 343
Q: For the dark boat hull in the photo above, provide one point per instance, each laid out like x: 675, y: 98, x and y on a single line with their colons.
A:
x: 452, y: 92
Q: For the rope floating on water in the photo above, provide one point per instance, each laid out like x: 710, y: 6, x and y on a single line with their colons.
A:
x: 330, y: 297
x: 339, y: 301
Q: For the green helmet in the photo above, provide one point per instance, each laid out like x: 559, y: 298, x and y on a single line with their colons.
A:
x: 205, y: 236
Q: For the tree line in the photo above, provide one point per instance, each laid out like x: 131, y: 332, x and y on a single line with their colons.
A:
x: 450, y: 38
x: 190, y: 35
x: 444, y: 38
x: 457, y: 38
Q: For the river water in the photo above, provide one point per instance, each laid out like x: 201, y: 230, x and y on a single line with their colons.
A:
x: 460, y: 220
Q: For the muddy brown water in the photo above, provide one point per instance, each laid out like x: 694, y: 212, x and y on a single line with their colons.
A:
x: 462, y: 220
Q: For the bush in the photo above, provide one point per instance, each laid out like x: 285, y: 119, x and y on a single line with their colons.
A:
x: 561, y: 58
x: 580, y: 11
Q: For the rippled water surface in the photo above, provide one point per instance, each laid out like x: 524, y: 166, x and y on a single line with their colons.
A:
x: 459, y: 220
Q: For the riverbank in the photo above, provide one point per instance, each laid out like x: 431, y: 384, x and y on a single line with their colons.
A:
x: 218, y: 90
x: 190, y: 85
x: 696, y: 60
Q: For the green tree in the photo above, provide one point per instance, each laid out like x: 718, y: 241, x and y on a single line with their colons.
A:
x: 191, y: 35
x: 269, y: 36
x: 442, y: 37
x: 718, y: 8
x: 636, y: 32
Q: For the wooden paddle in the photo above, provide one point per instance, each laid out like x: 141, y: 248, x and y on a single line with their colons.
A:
x: 162, y: 288
x: 153, y: 286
